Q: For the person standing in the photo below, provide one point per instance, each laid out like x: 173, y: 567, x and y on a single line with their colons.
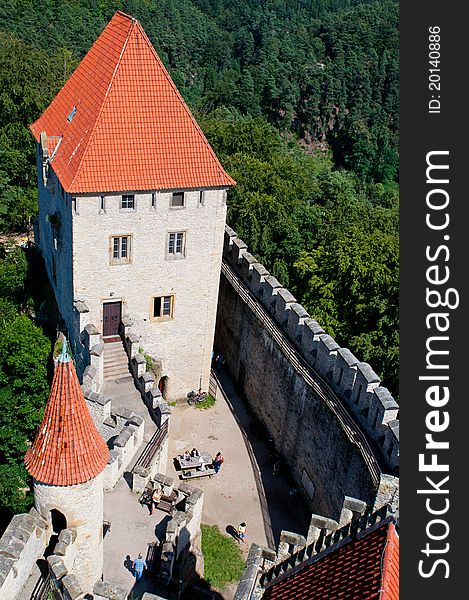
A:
x: 241, y: 531
x: 138, y: 566
x: 218, y: 461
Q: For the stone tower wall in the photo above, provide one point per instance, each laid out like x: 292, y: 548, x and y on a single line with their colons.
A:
x: 183, y: 343
x: 82, y: 506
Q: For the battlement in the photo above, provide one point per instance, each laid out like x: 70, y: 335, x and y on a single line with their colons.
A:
x: 354, y: 382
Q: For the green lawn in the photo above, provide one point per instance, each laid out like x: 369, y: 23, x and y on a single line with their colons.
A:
x: 207, y: 403
x: 223, y: 558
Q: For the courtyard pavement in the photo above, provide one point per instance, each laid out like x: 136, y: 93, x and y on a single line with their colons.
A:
x: 245, y: 489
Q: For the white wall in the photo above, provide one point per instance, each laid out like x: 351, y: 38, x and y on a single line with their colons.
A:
x: 184, y: 344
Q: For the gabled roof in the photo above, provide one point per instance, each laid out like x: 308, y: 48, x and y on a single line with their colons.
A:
x: 123, y: 124
x: 363, y: 568
x: 67, y: 449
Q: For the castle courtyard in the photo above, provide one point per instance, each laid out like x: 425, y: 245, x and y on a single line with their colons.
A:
x: 245, y: 489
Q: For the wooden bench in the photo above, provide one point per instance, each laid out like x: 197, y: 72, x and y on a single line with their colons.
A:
x: 193, y: 473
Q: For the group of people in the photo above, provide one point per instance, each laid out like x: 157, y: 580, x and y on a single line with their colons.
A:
x: 194, y: 453
x: 186, y: 455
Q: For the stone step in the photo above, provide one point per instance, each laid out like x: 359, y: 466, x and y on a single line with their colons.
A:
x: 113, y: 373
x: 116, y: 358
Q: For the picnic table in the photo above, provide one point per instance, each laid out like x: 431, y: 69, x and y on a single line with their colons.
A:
x: 197, y: 466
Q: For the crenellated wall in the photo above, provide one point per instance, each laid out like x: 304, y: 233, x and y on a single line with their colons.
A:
x: 325, y: 409
x: 22, y: 543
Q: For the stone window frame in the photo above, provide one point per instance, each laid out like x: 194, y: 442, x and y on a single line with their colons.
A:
x: 171, y: 297
x: 129, y: 247
x: 153, y: 200
x: 129, y: 198
x: 177, y: 206
x: 201, y: 199
x: 173, y: 243
x: 102, y: 204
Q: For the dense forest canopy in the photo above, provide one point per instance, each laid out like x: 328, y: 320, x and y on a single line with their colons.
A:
x: 299, y: 98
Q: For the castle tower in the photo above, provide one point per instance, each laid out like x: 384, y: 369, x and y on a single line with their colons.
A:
x: 66, y: 460
x: 132, y: 207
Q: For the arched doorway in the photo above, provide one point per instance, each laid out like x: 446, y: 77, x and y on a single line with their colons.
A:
x: 162, y: 385
x: 58, y: 522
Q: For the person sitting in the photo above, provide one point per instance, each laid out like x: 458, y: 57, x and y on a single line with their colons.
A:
x: 186, y: 455
x: 195, y: 453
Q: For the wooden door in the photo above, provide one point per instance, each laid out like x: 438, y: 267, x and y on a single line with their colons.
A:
x: 111, y: 318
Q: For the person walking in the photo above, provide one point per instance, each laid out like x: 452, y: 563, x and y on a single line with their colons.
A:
x: 138, y: 566
x: 218, y: 461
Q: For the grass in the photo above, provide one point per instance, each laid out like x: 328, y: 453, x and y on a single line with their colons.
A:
x: 207, y: 403
x: 223, y: 558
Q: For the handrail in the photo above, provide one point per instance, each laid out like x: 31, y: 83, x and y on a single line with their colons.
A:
x: 310, y: 375
x: 153, y: 445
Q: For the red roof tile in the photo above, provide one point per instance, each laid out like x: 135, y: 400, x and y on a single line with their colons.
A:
x: 124, y: 126
x: 67, y: 449
x: 362, y: 569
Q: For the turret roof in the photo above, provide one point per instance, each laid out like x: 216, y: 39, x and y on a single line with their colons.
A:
x: 67, y: 449
x: 120, y: 123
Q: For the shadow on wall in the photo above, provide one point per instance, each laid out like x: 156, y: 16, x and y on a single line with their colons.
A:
x: 282, y: 509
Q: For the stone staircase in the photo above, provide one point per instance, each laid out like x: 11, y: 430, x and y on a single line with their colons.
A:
x: 116, y: 364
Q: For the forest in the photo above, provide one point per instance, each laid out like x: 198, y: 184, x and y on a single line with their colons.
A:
x: 300, y: 101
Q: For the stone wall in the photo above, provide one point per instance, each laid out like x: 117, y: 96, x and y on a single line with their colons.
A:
x: 183, y: 537
x: 323, y: 458
x: 183, y: 343
x: 123, y: 431
x: 53, y: 235
x: 21, y: 545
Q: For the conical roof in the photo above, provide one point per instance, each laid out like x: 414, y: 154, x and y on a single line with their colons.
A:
x: 120, y: 124
x: 67, y: 449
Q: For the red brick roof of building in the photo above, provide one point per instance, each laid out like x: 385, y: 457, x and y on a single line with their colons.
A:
x: 362, y: 569
x: 67, y: 449
x: 123, y: 124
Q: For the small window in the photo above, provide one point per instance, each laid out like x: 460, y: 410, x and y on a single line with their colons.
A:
x: 163, y: 307
x: 120, y: 249
x: 128, y: 202
x: 153, y: 200
x: 102, y: 204
x: 75, y: 205
x: 201, y: 198
x: 177, y: 200
x: 176, y: 247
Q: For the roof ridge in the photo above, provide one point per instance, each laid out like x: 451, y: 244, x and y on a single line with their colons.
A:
x: 181, y: 99
x: 106, y: 96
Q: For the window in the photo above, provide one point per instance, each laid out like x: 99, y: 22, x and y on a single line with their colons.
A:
x: 177, y: 200
x: 75, y: 205
x: 102, y: 204
x: 153, y: 200
x: 201, y: 198
x: 128, y: 202
x: 120, y: 249
x: 176, y: 247
x: 163, y: 307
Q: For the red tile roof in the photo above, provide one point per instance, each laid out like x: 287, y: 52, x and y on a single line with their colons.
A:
x: 67, y: 449
x: 362, y: 569
x: 124, y: 126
